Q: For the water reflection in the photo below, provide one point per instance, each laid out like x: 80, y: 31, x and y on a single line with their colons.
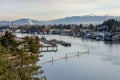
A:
x: 112, y: 42
x: 115, y: 60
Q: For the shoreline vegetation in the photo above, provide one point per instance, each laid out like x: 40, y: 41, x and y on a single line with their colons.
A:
x: 18, y: 58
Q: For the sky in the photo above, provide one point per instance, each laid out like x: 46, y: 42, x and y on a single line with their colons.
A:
x: 54, y: 9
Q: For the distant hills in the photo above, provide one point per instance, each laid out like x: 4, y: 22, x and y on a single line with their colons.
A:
x: 68, y: 20
x: 21, y: 22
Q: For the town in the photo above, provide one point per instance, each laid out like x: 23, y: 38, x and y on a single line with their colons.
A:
x: 107, y: 31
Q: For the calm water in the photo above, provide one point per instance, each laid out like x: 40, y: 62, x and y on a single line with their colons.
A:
x: 102, y: 62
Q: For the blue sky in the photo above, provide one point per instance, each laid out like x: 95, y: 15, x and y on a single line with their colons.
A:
x: 54, y: 9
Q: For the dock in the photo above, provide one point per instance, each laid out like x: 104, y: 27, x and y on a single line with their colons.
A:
x: 55, y: 42
x: 48, y: 48
x: 51, y: 45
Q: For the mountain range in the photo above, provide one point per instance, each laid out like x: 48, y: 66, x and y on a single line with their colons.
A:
x: 68, y: 20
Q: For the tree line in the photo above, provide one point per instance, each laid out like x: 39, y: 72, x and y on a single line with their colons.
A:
x: 18, y: 57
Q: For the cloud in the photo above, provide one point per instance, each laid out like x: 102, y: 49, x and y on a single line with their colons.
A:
x: 51, y: 9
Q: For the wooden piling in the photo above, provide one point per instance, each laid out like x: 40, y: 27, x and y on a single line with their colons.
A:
x: 66, y: 57
x: 78, y: 55
x: 52, y: 60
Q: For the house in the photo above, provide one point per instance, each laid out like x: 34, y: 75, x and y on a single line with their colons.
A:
x: 104, y: 28
x: 116, y: 37
x: 118, y: 29
x: 108, y: 36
